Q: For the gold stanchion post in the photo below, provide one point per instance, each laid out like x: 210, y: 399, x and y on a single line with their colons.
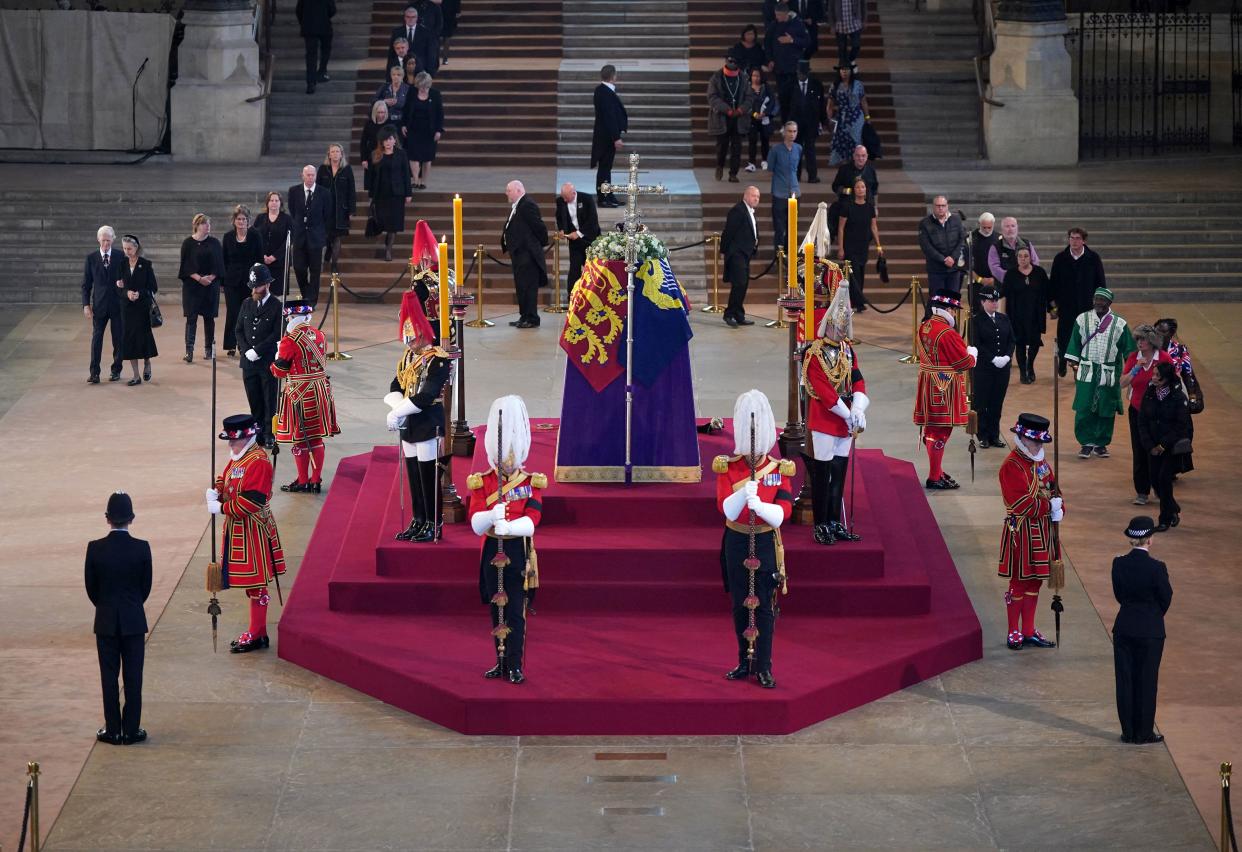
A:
x: 916, y: 312
x: 336, y: 354
x: 560, y: 306
x: 32, y: 770
x: 713, y: 245
x: 1226, y: 830
x: 479, y: 322
x: 779, y: 322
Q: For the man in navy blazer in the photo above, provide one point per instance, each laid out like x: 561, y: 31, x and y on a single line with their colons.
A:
x: 611, y: 124
x: 118, y: 582
x: 101, y: 301
x: 1141, y: 586
x: 310, y: 208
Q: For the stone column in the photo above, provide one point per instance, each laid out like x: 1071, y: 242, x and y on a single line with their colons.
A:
x: 1030, y: 73
x: 218, y: 65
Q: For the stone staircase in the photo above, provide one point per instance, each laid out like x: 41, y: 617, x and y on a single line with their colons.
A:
x: 605, y: 31
x: 932, y: 84
x: 300, y: 127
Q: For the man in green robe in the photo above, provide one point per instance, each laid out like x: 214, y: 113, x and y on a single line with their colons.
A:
x: 1097, y: 351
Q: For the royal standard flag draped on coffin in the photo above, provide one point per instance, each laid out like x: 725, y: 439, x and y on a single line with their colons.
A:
x: 594, y: 336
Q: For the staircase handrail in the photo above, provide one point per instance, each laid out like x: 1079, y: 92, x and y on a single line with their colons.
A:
x: 985, y: 23
x: 264, y: 23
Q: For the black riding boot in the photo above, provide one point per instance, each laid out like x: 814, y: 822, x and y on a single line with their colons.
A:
x: 840, y: 468
x: 427, y: 473
x: 821, y: 485
x: 418, y: 507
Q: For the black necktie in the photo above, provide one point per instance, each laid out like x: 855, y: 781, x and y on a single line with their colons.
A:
x: 410, y: 37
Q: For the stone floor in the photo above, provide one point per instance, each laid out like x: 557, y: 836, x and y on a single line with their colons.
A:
x: 1015, y: 751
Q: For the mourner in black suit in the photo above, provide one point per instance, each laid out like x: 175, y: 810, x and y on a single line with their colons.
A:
x: 611, y: 123
x: 423, y: 41
x: 315, y: 20
x: 802, y: 102
x: 738, y: 242
x: 578, y: 220
x: 118, y: 581
x: 1141, y: 586
x: 310, y: 208
x: 523, y: 240
x: 101, y: 301
x: 258, y: 333
x: 992, y: 335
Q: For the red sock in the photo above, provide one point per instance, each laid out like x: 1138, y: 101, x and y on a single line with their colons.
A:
x: 317, y: 457
x: 1013, y: 605
x: 935, y: 439
x: 1029, y: 603
x: 302, y: 459
x: 258, y: 611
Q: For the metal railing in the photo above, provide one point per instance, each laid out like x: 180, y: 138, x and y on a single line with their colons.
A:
x: 985, y: 25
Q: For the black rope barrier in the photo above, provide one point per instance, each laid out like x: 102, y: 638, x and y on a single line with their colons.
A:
x: 904, y: 298
x: 371, y: 297
x: 465, y: 279
x: 21, y: 841
x: 497, y: 260
x: 765, y: 271
x: 687, y: 246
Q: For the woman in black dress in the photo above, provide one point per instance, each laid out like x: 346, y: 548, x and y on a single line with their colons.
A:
x: 424, y: 124
x: 137, y: 341
x: 202, y: 267
x: 856, y: 228
x: 390, y: 186
x: 273, y: 228
x: 370, y: 139
x: 337, y: 177
x: 749, y: 50
x: 1164, y: 421
x: 1025, y: 291
x: 243, y: 248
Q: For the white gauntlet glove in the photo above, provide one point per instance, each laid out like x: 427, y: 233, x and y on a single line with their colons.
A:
x: 972, y: 352
x: 1058, y: 509
x: 859, y: 420
x: 212, y: 494
x: 751, y: 489
x: 251, y: 355
x: 501, y: 527
x: 393, y: 421
x: 1000, y: 361
x: 839, y: 409
x: 498, y: 512
x: 213, y: 506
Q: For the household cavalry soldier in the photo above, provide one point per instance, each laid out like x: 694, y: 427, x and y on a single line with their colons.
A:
x: 251, y: 555
x: 836, y: 413
x: 1029, y: 546
x: 505, y: 507
x: 305, y: 413
x: 940, y: 403
x: 425, y: 280
x: 1098, y: 347
x: 417, y: 412
x: 753, y: 492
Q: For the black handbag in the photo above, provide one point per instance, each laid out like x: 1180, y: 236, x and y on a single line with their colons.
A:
x: 373, y: 228
x: 1182, y: 447
x: 1194, y: 395
x: 871, y: 141
x: 881, y: 268
x: 157, y: 318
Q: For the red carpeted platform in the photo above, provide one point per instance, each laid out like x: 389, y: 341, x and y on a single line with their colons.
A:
x: 632, y: 632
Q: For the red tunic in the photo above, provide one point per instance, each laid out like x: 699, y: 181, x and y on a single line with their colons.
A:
x: 521, y: 493
x: 306, y: 409
x: 1027, y: 546
x: 732, y: 473
x: 830, y: 371
x: 941, y: 397
x: 250, y: 545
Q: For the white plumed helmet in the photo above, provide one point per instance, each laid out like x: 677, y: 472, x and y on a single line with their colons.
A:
x: 753, y: 402
x: 511, y: 412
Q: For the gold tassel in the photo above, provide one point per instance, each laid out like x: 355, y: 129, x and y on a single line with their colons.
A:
x: 530, y: 580
x: 215, y: 578
x: 1056, y: 575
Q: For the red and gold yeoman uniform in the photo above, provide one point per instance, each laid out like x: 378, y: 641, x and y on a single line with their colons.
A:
x: 306, y: 409
x: 941, y: 397
x: 250, y: 544
x: 1027, y: 545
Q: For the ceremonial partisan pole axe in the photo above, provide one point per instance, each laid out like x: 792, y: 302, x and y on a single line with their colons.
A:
x: 215, y: 577
x: 1056, y: 567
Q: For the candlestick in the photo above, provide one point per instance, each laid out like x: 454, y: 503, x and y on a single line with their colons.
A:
x: 808, y: 286
x: 791, y: 253
x: 446, y: 331
x: 457, y: 246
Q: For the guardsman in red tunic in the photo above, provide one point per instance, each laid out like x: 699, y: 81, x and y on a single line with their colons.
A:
x: 506, y: 505
x: 753, y: 492
x: 417, y: 413
x: 1028, y: 545
x: 306, y: 413
x: 251, y: 555
x: 836, y: 411
x: 940, y: 403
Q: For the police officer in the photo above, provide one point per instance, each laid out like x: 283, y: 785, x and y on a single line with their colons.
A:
x: 993, y: 336
x: 258, y: 332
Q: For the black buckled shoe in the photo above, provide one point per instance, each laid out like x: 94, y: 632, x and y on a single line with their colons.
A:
x: 823, y: 534
x: 1037, y: 640
x: 740, y: 673
x: 1014, y: 641
x: 103, y: 736
x: 840, y: 533
x: 766, y: 680
x: 1154, y: 738
x: 425, y: 534
x: 516, y: 676
x: 313, y: 488
x: 415, y: 527
x: 495, y: 671
x: 92, y: 379
x: 137, y: 736
x: 294, y: 487
x: 937, y: 485
x: 949, y: 481
x: 246, y: 643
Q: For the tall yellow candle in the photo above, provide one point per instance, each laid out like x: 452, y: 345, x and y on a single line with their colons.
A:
x: 792, y: 251
x: 808, y: 274
x: 445, y: 329
x: 457, y: 244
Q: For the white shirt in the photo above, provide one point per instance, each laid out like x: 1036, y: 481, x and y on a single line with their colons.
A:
x: 1080, y: 254
x: 513, y: 210
x: 610, y: 85
x: 309, y: 190
x: 572, y: 206
x: 751, y: 211
x: 105, y: 257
